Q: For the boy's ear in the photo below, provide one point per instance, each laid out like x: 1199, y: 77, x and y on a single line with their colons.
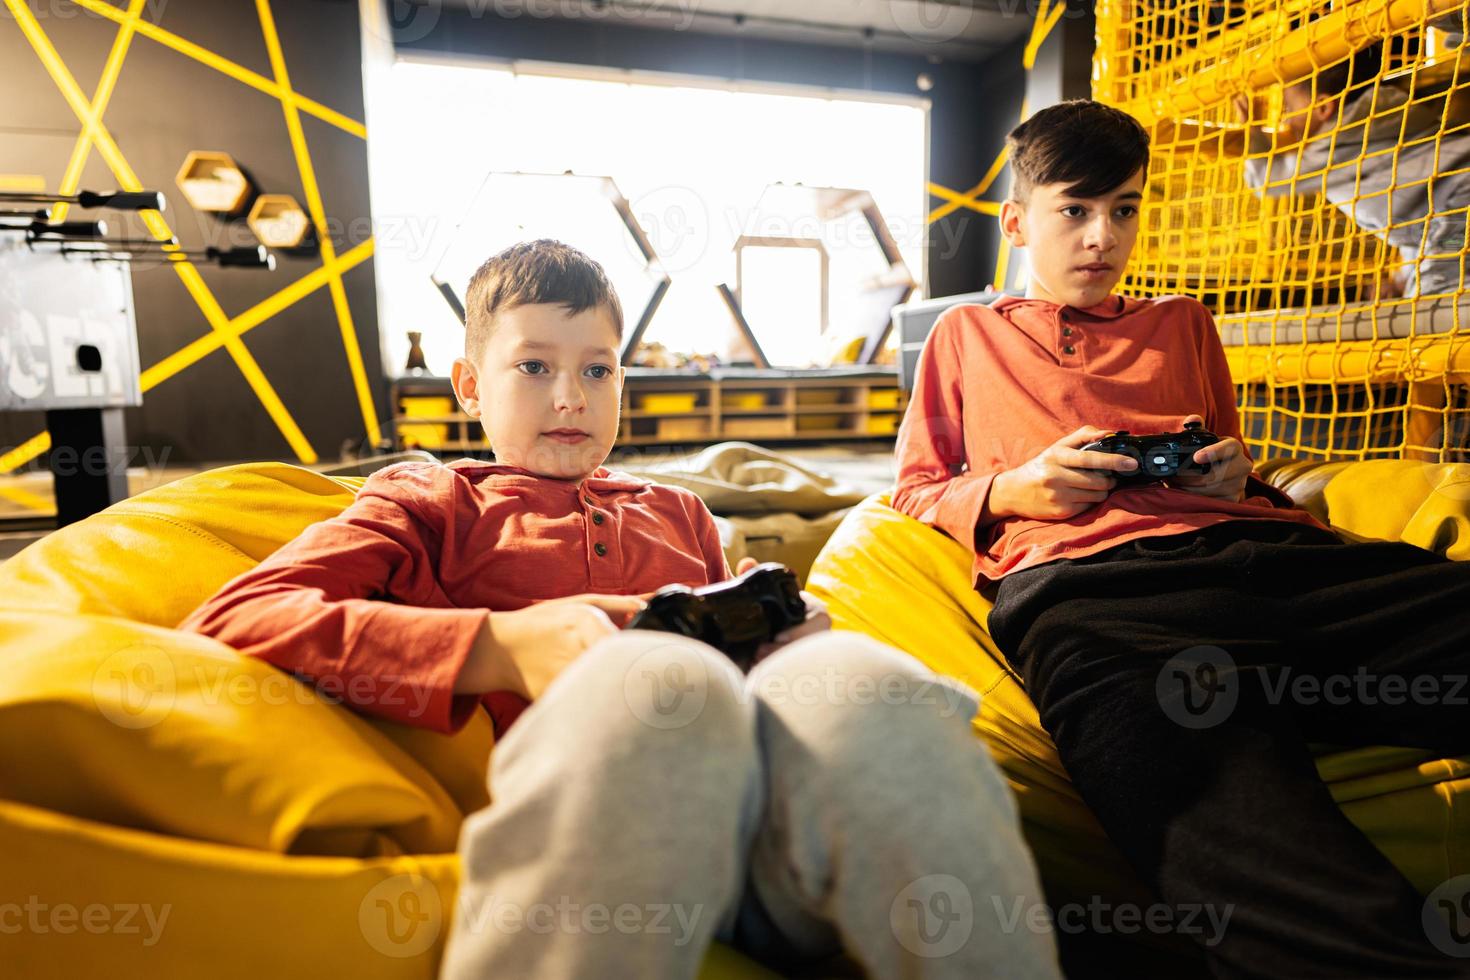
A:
x: 1010, y: 223
x: 466, y: 386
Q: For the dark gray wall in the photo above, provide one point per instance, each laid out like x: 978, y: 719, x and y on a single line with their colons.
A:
x: 165, y: 105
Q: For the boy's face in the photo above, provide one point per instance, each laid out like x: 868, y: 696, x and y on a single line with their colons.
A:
x: 1078, y: 247
x: 1301, y: 116
x: 547, y: 389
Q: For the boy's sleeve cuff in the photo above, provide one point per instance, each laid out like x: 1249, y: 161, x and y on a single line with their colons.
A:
x: 420, y: 653
x: 961, y: 506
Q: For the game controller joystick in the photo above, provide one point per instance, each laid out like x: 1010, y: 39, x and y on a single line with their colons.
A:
x: 1158, y: 456
x: 735, y: 616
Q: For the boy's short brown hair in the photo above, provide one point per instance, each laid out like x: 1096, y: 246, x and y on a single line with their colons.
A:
x: 1091, y: 147
x: 543, y: 271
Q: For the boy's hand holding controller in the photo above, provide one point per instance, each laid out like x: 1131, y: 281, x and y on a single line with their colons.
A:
x: 1229, y: 467
x: 1065, y: 479
x: 1060, y: 482
x: 523, y: 651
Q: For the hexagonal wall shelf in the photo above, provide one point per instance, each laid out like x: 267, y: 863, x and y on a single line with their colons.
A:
x: 211, y: 181
x: 817, y: 267
x: 278, y: 221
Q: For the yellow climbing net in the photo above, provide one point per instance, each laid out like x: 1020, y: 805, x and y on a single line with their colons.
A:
x: 1309, y: 183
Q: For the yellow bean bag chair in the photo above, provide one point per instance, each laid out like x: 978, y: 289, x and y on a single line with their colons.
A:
x: 170, y: 808
x: 908, y: 585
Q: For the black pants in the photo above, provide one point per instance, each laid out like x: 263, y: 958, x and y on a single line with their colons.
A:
x: 1182, y: 678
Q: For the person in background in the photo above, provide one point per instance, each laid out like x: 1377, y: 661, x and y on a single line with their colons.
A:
x: 1376, y: 152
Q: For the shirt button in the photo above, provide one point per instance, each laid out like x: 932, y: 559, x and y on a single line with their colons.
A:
x: 587, y: 501
x: 1066, y: 331
x: 600, y: 548
x: 1069, y: 349
x: 597, y: 518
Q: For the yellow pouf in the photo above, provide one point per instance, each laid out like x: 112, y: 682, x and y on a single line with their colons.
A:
x: 908, y: 585
x: 170, y: 808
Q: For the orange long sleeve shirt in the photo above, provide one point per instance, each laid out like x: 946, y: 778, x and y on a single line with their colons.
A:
x: 998, y: 384
x: 381, y: 605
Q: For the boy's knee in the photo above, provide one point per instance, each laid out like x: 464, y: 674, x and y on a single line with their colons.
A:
x: 873, y: 729
x: 848, y: 683
x: 659, y: 687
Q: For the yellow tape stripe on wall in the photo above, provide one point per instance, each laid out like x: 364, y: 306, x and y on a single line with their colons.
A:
x: 224, y: 331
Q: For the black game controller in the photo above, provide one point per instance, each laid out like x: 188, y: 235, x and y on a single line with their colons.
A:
x: 735, y: 616
x: 1158, y: 456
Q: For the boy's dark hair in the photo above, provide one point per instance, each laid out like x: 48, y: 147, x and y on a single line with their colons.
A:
x: 1091, y: 147
x: 543, y: 271
x: 1356, y: 70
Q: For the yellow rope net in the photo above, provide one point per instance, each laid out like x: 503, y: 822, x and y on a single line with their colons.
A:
x: 1309, y: 183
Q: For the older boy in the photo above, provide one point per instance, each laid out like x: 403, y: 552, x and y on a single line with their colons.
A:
x: 651, y: 799
x: 1125, y: 608
x: 1390, y: 155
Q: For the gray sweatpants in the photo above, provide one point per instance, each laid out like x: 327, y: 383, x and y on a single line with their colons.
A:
x: 835, y: 800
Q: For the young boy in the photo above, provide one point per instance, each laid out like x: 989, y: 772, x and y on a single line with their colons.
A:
x: 1377, y: 153
x: 651, y: 799
x: 1120, y: 606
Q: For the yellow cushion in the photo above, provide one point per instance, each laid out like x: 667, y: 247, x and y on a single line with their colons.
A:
x: 1425, y: 504
x: 237, y: 752
x: 140, y: 764
x: 908, y: 585
x: 187, y: 909
x: 153, y: 558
